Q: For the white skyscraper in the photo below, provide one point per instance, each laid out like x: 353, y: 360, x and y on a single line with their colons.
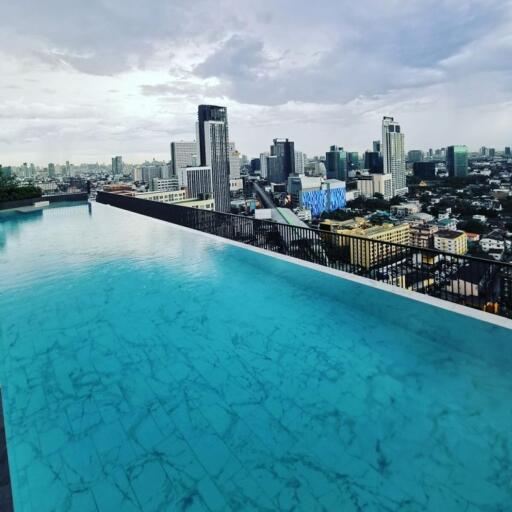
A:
x: 234, y: 161
x: 394, y: 155
x: 183, y: 154
x: 299, y: 162
x: 263, y: 164
x: 197, y: 181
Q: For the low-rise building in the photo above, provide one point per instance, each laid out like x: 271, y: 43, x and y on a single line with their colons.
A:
x: 316, y: 194
x: 422, y: 235
x: 405, y: 209
x: 304, y: 214
x: 371, y: 184
x: 236, y: 184
x: 342, y: 226
x: 454, y: 242
x: 447, y: 224
x: 492, y: 241
x: 164, y: 184
x: 178, y: 197
x: 471, y: 280
x: 168, y: 196
x: 371, y: 253
x: 200, y: 204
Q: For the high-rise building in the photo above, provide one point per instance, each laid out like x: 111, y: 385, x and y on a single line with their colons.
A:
x: 507, y: 151
x: 299, y: 162
x: 234, y: 161
x: 457, y: 161
x: 51, y: 170
x: 117, y: 165
x: 137, y: 174
x: 373, y: 162
x: 213, y: 137
x: 372, y: 184
x: 336, y: 163
x: 393, y: 154
x: 424, y: 169
x: 274, y: 169
x: 415, y: 155
x: 353, y: 160
x: 377, y: 146
x: 150, y: 171
x: 197, y: 181
x: 284, y: 150
x: 255, y: 165
x: 6, y: 171
x: 166, y: 171
x: 492, y: 152
x: 183, y: 154
x: 263, y: 164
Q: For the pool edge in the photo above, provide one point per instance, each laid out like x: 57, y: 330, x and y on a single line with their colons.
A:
x: 6, y: 498
x: 419, y: 297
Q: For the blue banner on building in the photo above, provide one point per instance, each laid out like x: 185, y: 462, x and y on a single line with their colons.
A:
x: 320, y: 201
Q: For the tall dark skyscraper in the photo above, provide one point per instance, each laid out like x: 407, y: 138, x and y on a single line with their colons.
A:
x: 424, y: 169
x: 507, y: 151
x: 284, y: 150
x: 376, y: 146
x: 213, y: 137
x: 117, y: 165
x: 415, y: 155
x: 373, y: 162
x: 336, y: 163
x: 353, y: 160
x: 457, y: 161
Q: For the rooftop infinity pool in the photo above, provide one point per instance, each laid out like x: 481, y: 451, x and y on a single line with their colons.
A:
x: 147, y: 367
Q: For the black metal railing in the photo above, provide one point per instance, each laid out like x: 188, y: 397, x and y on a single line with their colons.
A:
x: 475, y: 282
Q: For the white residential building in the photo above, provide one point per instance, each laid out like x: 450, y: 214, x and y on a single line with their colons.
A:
x: 264, y: 164
x: 169, y: 196
x: 394, y: 155
x: 234, y: 161
x: 163, y: 185
x: 183, y: 154
x: 492, y: 242
x: 372, y: 184
x: 299, y: 162
x: 197, y: 181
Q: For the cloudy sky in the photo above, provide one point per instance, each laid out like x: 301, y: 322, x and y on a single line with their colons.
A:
x: 82, y: 81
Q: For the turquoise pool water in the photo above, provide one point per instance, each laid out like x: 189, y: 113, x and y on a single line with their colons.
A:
x: 145, y: 367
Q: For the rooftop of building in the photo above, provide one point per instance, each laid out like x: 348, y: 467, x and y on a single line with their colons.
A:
x: 449, y: 233
x: 378, y: 230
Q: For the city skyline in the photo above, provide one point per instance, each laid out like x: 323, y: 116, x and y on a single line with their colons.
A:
x: 128, y: 81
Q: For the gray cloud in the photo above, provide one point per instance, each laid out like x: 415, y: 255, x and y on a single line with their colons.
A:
x: 389, y: 46
x: 102, y: 37
x: 129, y: 74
